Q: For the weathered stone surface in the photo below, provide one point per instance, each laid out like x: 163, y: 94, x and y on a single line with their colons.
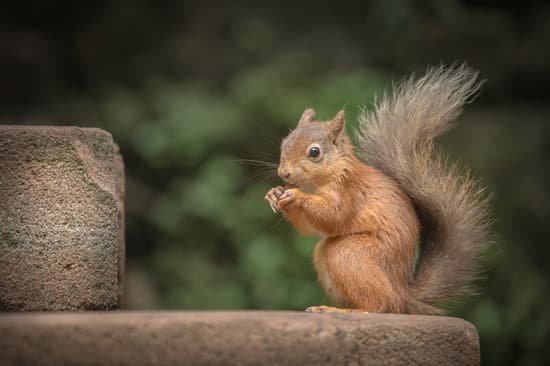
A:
x: 235, y: 338
x: 61, y: 219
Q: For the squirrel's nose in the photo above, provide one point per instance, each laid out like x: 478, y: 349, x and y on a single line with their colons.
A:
x: 283, y: 173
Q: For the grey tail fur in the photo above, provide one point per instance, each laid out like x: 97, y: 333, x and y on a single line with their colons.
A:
x: 397, y: 138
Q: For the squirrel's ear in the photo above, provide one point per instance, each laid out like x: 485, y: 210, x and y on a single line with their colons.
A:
x: 337, y: 124
x: 307, y: 116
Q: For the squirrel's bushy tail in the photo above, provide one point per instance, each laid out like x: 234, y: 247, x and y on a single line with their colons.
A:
x: 397, y: 138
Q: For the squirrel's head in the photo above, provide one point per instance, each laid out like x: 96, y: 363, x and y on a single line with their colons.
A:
x: 314, y: 151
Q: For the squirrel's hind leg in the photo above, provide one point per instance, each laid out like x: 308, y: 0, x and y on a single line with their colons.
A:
x: 351, y: 277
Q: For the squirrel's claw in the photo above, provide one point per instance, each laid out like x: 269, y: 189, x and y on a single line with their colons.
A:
x: 272, y: 197
x: 271, y: 202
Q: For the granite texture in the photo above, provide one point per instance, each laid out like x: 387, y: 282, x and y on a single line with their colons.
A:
x: 61, y: 219
x: 235, y: 338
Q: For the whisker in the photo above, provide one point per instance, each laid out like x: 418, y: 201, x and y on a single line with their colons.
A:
x: 254, y: 162
x: 269, y: 156
x: 265, y: 167
x: 267, y: 179
x: 263, y: 174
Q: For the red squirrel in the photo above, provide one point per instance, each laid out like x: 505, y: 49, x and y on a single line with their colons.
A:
x: 373, y: 204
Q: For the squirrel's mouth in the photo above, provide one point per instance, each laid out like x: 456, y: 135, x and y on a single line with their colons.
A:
x: 304, y: 187
x: 290, y: 181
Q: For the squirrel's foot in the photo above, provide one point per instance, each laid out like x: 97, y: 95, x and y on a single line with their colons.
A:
x: 272, y: 197
x: 332, y: 309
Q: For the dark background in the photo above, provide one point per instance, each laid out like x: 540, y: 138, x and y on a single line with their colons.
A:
x: 189, y: 87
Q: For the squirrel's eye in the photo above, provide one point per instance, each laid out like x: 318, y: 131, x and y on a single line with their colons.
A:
x: 314, y: 152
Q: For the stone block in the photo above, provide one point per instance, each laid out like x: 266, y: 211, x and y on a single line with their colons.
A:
x: 61, y: 219
x: 235, y: 338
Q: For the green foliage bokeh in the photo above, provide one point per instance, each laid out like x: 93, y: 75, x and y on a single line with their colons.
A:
x: 218, y: 244
x: 191, y: 89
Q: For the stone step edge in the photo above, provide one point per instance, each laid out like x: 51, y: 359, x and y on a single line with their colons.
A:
x: 235, y: 338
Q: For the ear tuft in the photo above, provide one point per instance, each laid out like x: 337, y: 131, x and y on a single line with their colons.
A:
x: 307, y: 116
x: 337, y: 123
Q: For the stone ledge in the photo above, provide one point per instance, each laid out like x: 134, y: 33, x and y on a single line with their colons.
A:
x: 235, y: 338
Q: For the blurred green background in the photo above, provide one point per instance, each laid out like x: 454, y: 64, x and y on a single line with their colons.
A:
x: 189, y: 88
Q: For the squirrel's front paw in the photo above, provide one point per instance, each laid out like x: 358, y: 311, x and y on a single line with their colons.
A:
x: 272, y: 197
x: 289, y: 196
